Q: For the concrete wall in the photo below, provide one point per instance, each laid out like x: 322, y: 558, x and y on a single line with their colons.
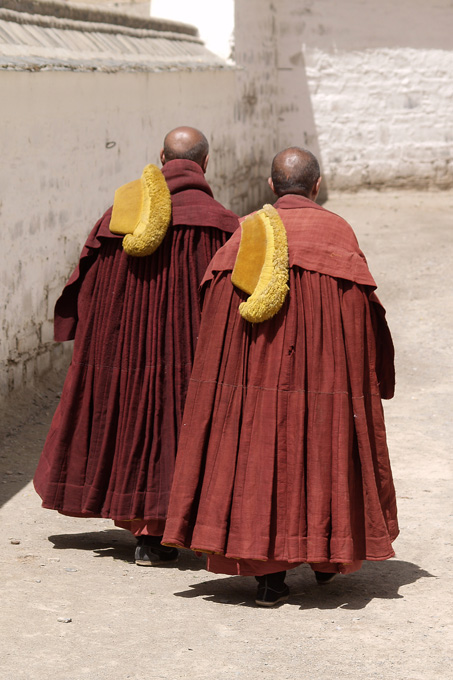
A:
x: 68, y: 141
x: 381, y: 89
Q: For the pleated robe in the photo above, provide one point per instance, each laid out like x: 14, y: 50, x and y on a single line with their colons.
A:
x: 112, y: 443
x: 282, y: 456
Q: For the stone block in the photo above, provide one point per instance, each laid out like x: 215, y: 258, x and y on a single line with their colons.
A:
x: 29, y: 372
x: 28, y: 342
x: 53, y: 293
x: 15, y: 376
x: 47, y: 332
x: 43, y: 363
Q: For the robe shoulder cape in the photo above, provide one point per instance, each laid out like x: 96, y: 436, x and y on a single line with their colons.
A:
x: 283, y: 455
x: 111, y: 447
x: 193, y: 205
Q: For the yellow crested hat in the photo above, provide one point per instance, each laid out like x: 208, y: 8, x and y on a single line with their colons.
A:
x: 142, y: 212
x: 262, y: 265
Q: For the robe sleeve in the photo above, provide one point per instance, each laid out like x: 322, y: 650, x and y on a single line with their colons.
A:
x: 66, y: 314
x: 385, y: 351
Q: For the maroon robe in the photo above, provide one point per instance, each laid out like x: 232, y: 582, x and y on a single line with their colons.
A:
x: 282, y: 457
x: 111, y: 447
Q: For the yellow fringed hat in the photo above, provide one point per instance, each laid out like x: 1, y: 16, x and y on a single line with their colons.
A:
x: 142, y: 211
x: 262, y: 265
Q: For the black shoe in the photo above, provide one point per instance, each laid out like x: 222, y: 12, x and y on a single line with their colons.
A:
x: 272, y: 589
x: 150, y: 553
x: 323, y: 578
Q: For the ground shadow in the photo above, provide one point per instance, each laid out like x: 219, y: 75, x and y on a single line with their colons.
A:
x: 380, y: 580
x: 25, y: 418
x: 120, y: 545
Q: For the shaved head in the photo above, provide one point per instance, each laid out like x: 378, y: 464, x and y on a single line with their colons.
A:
x: 187, y: 143
x: 295, y: 171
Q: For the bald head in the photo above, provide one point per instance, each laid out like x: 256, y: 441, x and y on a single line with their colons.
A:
x: 295, y: 171
x: 187, y: 143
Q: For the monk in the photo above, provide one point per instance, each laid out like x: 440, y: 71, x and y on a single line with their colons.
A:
x: 282, y: 458
x: 132, y: 308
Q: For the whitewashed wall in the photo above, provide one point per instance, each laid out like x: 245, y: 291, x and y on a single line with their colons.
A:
x: 68, y: 141
x: 380, y: 79
x: 273, y: 108
x: 385, y: 117
x: 367, y: 86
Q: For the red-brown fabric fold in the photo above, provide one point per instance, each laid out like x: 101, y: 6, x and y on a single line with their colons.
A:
x: 283, y: 453
x: 111, y: 447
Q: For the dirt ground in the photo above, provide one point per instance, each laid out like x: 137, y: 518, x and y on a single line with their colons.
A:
x: 75, y: 606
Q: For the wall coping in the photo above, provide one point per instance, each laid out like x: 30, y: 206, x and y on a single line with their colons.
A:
x: 38, y: 35
x: 88, y: 13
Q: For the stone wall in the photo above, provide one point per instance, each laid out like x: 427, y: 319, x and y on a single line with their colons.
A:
x: 379, y: 76
x: 384, y: 117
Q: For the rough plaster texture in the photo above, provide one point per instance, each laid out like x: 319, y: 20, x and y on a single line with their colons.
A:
x: 380, y: 82
x: 384, y: 117
x: 255, y: 52
x: 71, y: 139
x: 295, y: 116
x: 367, y: 24
x: 270, y: 113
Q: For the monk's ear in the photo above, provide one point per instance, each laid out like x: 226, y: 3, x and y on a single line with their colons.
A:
x: 205, y: 163
x: 162, y: 157
x: 315, y: 191
x: 271, y: 184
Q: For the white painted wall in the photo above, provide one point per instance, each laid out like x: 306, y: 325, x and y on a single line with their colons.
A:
x: 367, y: 86
x: 380, y: 80
x: 70, y: 139
x: 58, y: 177
x: 273, y: 108
x: 384, y: 117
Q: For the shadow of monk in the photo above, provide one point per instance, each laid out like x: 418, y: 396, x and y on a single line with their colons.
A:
x: 380, y: 580
x: 120, y: 545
